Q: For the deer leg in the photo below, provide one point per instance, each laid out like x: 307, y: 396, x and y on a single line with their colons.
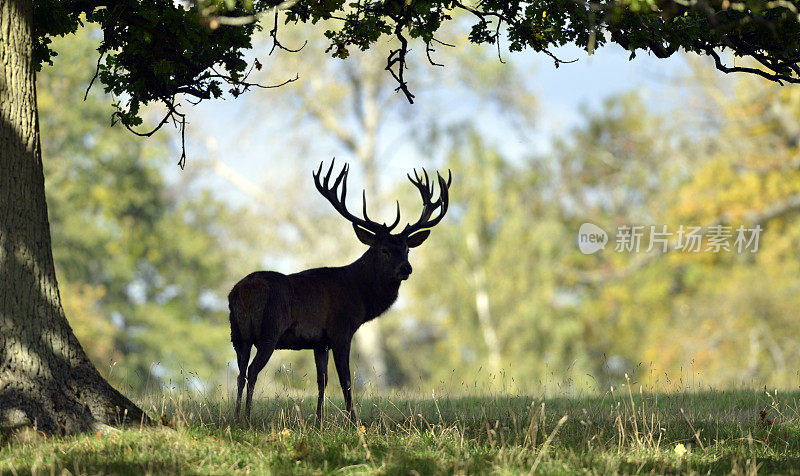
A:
x: 341, y: 357
x: 321, y: 359
x: 242, y: 358
x: 263, y: 353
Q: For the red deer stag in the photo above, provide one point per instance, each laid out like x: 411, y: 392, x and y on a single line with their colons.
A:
x: 322, y: 308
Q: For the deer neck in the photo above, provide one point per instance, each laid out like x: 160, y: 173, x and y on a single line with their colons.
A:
x: 378, y: 292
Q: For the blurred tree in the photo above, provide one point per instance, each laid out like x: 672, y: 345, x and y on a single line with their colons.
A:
x: 735, y: 315
x: 499, y: 308
x: 350, y: 109
x: 724, y: 316
x: 513, y: 294
x: 618, y: 168
x: 147, y: 266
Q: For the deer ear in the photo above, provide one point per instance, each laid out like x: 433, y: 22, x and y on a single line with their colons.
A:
x: 364, y: 236
x: 417, y: 238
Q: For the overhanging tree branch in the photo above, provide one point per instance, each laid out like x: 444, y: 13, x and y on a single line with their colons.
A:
x: 141, y: 60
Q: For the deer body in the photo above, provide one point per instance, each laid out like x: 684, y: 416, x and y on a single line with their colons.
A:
x: 308, y: 309
x: 322, y: 308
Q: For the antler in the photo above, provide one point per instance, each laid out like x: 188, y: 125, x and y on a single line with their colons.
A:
x: 331, y: 194
x: 428, y: 207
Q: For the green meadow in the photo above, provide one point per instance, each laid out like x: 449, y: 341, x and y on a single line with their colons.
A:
x: 624, y: 431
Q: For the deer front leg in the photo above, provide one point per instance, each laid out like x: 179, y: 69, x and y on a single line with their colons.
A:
x: 321, y: 359
x: 341, y: 357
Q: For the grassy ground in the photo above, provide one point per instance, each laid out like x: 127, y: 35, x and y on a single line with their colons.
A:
x: 743, y: 431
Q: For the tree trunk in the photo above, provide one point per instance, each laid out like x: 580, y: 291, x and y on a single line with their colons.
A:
x: 482, y: 303
x: 46, y: 379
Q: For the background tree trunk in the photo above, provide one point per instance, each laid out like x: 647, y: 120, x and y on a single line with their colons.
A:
x: 483, y: 303
x: 45, y: 377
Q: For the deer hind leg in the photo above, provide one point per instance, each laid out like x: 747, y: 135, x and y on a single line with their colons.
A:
x: 242, y: 358
x: 321, y: 359
x: 263, y: 353
x: 341, y: 357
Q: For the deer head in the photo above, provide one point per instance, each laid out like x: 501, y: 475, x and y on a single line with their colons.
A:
x: 388, y: 252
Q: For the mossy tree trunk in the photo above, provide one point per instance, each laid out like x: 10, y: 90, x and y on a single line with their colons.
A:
x: 46, y: 379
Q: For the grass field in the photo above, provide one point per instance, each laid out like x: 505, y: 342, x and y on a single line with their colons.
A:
x: 622, y: 431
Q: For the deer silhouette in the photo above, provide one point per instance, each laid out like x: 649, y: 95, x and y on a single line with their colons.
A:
x: 322, y: 308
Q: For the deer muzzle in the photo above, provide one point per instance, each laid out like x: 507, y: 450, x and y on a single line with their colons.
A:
x: 404, y: 271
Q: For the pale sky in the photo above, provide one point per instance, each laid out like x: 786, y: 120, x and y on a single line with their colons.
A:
x: 561, y: 93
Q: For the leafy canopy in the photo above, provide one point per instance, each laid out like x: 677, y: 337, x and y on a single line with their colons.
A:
x: 156, y: 50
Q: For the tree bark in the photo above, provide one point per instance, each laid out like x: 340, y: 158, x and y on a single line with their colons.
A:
x: 46, y: 379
